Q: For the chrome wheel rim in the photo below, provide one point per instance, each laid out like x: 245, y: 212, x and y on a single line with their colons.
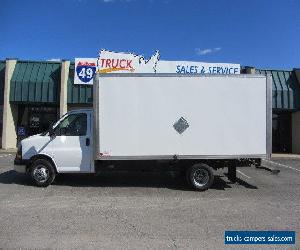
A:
x: 41, y: 173
x: 201, y: 177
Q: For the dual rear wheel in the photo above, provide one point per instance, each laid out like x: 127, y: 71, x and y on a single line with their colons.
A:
x: 200, y: 176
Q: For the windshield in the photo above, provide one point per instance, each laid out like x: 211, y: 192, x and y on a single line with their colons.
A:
x: 53, y: 125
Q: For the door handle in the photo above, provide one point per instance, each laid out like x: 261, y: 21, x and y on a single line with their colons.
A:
x: 87, y: 142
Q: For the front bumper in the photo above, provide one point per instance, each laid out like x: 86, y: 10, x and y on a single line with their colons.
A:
x: 20, y: 164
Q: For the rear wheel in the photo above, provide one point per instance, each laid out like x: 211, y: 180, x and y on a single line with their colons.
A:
x: 42, y: 172
x: 200, y: 176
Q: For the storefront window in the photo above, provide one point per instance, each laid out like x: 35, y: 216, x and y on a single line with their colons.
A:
x: 34, y: 119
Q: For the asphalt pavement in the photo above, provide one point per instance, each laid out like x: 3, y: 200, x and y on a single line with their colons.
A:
x: 145, y: 210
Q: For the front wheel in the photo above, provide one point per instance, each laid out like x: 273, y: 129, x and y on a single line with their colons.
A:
x: 200, y: 176
x: 42, y: 172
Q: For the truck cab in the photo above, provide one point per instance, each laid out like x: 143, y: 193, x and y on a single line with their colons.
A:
x: 65, y: 148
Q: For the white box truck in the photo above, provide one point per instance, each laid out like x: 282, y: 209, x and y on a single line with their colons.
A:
x: 189, y: 123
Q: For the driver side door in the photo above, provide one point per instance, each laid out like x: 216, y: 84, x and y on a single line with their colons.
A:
x: 71, y: 145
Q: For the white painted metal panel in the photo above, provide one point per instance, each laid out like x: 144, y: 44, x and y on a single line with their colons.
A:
x: 226, y: 116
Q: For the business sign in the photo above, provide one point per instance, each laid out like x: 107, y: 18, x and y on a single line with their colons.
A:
x: 85, y: 69
x: 115, y: 62
x: 120, y: 62
x: 128, y: 62
x: 183, y: 67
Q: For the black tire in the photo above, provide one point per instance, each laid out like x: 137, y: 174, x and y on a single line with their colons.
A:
x: 200, y: 176
x: 42, y: 173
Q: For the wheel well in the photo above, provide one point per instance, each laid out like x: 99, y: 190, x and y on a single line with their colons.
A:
x: 45, y: 157
x: 186, y: 164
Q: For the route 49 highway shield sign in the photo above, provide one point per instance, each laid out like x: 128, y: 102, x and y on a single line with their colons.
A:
x: 85, y: 68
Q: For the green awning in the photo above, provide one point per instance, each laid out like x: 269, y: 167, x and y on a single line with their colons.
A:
x: 285, y: 88
x: 36, y: 82
x: 78, y: 94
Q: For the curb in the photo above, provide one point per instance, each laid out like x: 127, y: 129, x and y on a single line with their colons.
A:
x: 8, y: 151
x: 286, y: 156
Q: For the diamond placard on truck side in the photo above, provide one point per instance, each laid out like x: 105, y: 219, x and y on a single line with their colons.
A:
x: 181, y: 125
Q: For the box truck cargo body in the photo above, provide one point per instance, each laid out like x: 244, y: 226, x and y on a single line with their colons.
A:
x: 190, y: 123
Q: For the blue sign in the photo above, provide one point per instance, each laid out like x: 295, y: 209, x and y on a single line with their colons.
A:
x: 259, y: 237
x: 85, y: 71
x: 21, y: 131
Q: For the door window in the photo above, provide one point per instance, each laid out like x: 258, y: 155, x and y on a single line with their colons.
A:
x: 72, y: 125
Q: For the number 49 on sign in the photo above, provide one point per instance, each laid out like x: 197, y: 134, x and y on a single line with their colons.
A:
x: 85, y: 72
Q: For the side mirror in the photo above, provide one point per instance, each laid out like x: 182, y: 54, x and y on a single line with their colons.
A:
x: 51, y: 130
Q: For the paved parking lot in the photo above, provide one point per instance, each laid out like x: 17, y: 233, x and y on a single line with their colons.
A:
x: 145, y: 210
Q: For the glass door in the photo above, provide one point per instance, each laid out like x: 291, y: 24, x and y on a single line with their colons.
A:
x: 281, y: 133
